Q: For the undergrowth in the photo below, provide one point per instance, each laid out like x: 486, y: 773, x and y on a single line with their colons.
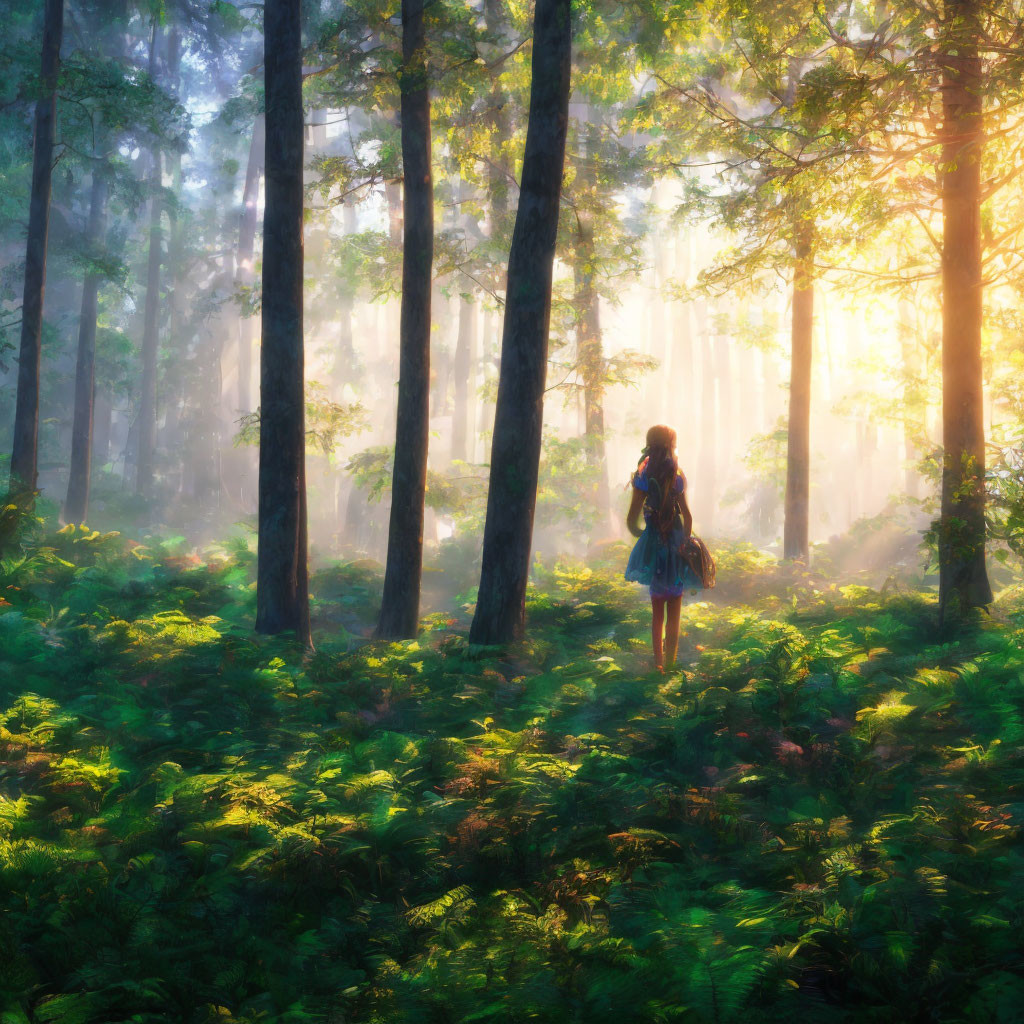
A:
x: 816, y: 818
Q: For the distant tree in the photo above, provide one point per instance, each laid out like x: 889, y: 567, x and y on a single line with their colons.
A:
x: 76, y: 506
x: 282, y: 588
x: 744, y: 94
x: 24, y: 455
x: 519, y: 413
x: 146, y: 429
x: 245, y: 272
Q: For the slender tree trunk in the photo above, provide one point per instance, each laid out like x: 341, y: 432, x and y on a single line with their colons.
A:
x: 245, y: 274
x: 589, y: 347
x: 461, y: 372
x: 103, y: 425
x: 798, y: 455
x: 24, y: 454
x: 590, y: 355
x: 400, y: 604
x: 150, y: 344
x: 76, y: 507
x: 911, y: 371
x: 710, y: 414
x: 726, y: 413
x: 345, y: 362
x: 515, y: 450
x: 682, y: 352
x: 963, y: 580
x: 282, y: 587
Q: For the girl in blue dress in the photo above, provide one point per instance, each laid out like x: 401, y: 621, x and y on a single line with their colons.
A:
x: 659, y: 490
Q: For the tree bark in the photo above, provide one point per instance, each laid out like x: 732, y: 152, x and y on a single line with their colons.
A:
x: 963, y: 578
x: 345, y: 366
x: 590, y: 356
x: 24, y: 453
x: 798, y: 453
x: 282, y: 586
x: 911, y: 371
x: 245, y: 275
x: 76, y: 507
x: 461, y: 370
x: 515, y: 449
x: 400, y: 603
x: 710, y: 416
x: 146, y: 433
x: 103, y: 425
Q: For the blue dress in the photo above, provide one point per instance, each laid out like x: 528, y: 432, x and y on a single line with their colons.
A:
x: 657, y: 562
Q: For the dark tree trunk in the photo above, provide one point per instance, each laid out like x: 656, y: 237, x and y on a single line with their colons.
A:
x: 798, y: 454
x: 963, y: 579
x: 76, y: 507
x: 246, y: 253
x: 282, y: 587
x: 400, y: 603
x: 24, y: 453
x: 461, y: 370
x: 515, y: 449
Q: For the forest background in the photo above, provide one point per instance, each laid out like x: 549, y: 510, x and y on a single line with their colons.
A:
x: 241, y: 243
x: 673, y: 282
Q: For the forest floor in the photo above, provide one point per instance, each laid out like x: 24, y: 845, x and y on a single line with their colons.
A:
x: 816, y: 818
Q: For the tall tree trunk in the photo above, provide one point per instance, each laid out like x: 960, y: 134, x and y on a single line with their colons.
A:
x: 707, y: 487
x: 103, y: 425
x: 461, y: 370
x: 515, y: 449
x: 24, y: 453
x: 282, y: 585
x: 726, y: 413
x: 798, y: 454
x: 245, y: 275
x: 590, y: 355
x: 589, y: 348
x: 76, y: 507
x: 400, y: 603
x: 345, y: 368
x: 911, y: 371
x: 963, y: 579
x: 150, y: 342
x: 146, y: 432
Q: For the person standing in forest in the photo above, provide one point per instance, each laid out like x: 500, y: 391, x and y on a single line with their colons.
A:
x: 658, y: 558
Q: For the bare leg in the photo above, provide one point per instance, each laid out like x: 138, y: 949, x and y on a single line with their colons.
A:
x: 657, y: 621
x: 673, y: 605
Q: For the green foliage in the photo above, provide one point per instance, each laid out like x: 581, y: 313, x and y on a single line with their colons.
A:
x: 327, y: 422
x: 814, y: 818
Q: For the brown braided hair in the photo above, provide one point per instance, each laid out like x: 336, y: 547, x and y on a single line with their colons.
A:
x: 662, y: 467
